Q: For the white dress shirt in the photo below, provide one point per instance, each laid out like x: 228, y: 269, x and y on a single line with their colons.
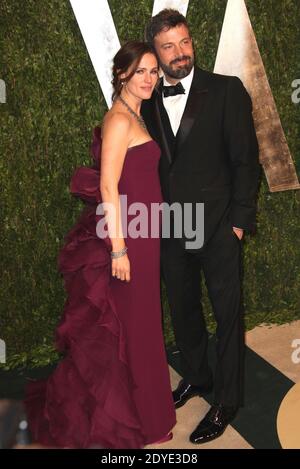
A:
x: 175, y: 105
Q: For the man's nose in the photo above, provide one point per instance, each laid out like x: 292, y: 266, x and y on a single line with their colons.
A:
x: 178, y: 50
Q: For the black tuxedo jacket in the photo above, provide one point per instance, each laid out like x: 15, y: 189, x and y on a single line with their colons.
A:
x: 214, y: 157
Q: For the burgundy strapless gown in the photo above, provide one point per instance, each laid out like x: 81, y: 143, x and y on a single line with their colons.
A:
x: 112, y: 389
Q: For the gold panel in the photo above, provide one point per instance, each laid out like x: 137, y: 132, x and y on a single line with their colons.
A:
x: 238, y: 55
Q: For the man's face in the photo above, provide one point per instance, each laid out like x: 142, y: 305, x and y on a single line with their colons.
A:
x: 175, y: 51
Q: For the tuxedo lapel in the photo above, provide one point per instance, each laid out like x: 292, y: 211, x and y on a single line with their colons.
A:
x: 159, y: 110
x: 194, y: 106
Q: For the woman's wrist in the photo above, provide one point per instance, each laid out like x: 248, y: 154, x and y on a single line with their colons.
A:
x: 117, y: 244
x: 120, y: 253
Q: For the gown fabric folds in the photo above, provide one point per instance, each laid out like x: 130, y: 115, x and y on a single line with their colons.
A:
x: 112, y: 388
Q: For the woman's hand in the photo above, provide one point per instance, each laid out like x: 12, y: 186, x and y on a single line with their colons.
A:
x: 120, y: 268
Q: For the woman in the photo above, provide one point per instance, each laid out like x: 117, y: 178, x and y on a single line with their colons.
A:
x: 112, y: 389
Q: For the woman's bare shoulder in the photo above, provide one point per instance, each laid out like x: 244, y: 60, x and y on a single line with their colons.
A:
x: 117, y: 122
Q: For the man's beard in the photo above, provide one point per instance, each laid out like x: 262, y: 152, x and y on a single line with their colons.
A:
x: 180, y: 72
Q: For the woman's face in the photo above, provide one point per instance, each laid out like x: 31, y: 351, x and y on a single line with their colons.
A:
x: 143, y: 81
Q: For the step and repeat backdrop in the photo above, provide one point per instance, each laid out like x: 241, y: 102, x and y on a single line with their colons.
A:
x: 55, y: 86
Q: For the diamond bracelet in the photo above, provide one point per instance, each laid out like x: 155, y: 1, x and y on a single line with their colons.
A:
x: 117, y: 254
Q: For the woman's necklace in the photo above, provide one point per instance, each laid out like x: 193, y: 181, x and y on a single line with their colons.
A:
x: 134, y: 114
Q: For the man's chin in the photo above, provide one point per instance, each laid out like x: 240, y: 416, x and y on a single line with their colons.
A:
x: 181, y: 72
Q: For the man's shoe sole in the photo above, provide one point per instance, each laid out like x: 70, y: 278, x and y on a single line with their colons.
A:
x: 206, y: 440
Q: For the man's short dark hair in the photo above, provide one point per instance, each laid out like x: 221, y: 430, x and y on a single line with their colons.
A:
x: 163, y: 21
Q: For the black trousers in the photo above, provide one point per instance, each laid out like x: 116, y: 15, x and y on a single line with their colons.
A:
x: 220, y: 262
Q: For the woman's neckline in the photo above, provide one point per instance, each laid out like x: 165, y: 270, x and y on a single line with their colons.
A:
x: 140, y: 144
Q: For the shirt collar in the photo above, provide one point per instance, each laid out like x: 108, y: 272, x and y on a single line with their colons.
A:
x: 186, y: 81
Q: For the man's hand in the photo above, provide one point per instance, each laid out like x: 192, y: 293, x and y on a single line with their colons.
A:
x: 239, y: 232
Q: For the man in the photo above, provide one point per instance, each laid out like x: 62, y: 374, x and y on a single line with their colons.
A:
x: 203, y: 122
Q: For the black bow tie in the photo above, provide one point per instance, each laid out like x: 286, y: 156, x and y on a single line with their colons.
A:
x: 173, y: 90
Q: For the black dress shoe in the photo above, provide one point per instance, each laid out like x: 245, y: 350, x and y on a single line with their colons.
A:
x: 186, y: 391
x: 213, y: 424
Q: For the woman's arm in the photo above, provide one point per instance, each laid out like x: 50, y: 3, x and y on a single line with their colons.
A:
x: 115, y: 142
